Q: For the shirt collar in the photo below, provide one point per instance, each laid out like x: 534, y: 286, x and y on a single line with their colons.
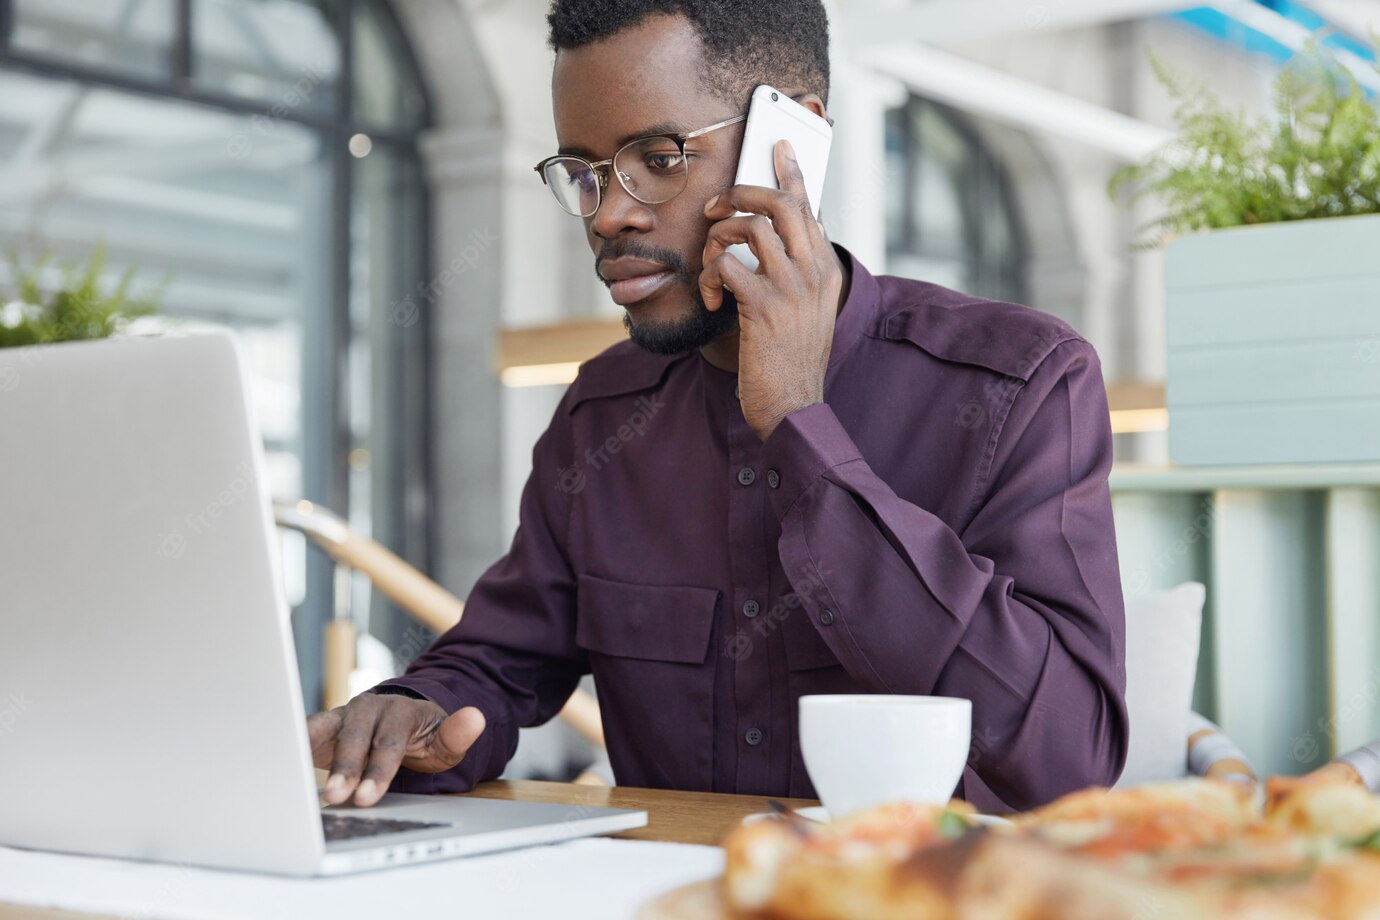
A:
x: 626, y: 367
x: 859, y: 307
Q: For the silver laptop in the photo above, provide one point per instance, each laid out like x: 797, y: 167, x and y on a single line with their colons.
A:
x: 150, y: 705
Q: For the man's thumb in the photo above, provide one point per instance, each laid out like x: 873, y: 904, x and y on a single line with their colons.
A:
x: 456, y: 734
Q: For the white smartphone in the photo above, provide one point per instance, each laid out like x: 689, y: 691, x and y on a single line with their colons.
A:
x: 772, y: 115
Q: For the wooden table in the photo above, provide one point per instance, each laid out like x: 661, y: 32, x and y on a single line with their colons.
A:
x: 678, y: 817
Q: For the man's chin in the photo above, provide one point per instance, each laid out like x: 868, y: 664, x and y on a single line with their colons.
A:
x: 694, y: 329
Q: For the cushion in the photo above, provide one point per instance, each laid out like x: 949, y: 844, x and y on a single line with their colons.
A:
x: 1163, y: 629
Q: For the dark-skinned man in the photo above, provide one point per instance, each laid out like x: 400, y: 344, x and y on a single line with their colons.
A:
x: 832, y: 482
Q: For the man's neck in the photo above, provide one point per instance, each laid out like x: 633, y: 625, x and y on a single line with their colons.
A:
x: 723, y: 351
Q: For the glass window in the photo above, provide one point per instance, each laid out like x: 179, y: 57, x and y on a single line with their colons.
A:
x: 387, y: 91
x: 387, y: 326
x: 133, y: 36
x: 282, y: 53
x: 260, y: 219
x: 953, y: 222
x: 155, y: 182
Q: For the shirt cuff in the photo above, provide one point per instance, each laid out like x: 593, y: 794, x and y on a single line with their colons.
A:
x: 478, y: 759
x: 1365, y: 761
x: 808, y: 443
x: 423, y: 689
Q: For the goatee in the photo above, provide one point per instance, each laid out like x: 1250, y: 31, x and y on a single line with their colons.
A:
x: 694, y: 330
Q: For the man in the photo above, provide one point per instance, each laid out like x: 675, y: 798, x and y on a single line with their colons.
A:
x: 804, y: 480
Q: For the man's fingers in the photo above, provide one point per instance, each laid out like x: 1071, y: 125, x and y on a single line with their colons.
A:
x: 792, y: 181
x: 446, y: 745
x: 788, y: 206
x: 322, y: 728
x: 725, y: 271
x: 352, y: 746
x: 394, y: 732
x: 753, y: 229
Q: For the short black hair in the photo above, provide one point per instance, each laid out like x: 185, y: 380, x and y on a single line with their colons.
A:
x: 784, y: 43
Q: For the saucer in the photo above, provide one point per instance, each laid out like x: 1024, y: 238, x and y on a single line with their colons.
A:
x: 820, y: 813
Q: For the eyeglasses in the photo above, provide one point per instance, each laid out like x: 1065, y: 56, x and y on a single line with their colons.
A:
x: 653, y: 169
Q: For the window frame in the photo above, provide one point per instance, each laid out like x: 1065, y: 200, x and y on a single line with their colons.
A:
x: 993, y: 183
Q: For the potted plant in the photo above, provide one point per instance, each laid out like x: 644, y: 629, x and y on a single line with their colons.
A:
x: 76, y: 308
x: 1272, y: 270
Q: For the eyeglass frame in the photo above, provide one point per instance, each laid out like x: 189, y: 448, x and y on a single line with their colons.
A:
x: 599, y: 167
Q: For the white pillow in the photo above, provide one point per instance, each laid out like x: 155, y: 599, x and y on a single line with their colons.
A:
x: 1163, y: 629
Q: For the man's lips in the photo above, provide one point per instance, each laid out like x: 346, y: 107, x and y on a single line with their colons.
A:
x: 631, y: 290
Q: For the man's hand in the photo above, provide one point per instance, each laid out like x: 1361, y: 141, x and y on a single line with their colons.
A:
x: 365, y: 741
x: 786, y: 309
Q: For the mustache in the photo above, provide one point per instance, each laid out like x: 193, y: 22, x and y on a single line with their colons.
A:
x: 667, y: 257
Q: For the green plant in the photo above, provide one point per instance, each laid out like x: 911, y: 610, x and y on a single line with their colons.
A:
x: 77, y: 308
x: 1318, y: 157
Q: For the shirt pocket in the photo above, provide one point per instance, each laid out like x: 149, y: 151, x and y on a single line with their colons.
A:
x: 648, y: 648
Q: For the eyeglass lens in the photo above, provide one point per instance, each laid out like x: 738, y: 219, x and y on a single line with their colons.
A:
x: 653, y: 170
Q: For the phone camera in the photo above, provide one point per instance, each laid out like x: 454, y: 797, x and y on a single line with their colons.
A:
x: 773, y: 97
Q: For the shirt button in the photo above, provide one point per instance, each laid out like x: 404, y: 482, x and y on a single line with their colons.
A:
x: 826, y: 616
x: 736, y: 393
x: 746, y: 476
x: 750, y: 609
x: 753, y: 736
x: 773, y: 478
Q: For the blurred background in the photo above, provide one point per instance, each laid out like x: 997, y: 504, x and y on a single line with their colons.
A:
x: 348, y: 183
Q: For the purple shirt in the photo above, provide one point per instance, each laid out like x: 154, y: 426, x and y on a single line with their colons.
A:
x: 940, y: 525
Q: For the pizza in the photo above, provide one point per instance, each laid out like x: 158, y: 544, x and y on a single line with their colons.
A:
x: 1185, y: 850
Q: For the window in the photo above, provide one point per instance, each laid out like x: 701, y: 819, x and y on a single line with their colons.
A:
x: 952, y: 220
x: 262, y: 155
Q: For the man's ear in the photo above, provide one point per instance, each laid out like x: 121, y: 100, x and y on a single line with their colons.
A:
x: 815, y: 104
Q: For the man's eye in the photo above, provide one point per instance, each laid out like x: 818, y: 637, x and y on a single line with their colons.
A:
x: 663, y: 162
x: 584, y: 179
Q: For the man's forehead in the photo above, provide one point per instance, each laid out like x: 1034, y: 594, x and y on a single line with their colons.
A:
x: 642, y: 80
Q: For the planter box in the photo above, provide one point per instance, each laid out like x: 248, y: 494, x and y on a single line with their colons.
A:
x: 1274, y: 343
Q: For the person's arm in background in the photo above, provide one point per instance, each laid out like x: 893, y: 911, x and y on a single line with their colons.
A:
x: 1361, y: 766
x: 1214, y: 755
x: 1021, y: 613
x: 512, y: 657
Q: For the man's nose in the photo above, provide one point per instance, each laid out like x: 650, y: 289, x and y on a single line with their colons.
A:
x: 619, y: 211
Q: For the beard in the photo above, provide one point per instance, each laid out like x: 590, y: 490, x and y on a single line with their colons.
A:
x: 695, y: 329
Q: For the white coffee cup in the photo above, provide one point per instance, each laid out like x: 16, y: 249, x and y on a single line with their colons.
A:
x: 869, y: 749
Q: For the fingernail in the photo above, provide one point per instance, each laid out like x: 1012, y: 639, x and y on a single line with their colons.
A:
x: 334, y: 784
x: 366, y: 790
x: 709, y: 206
x: 790, y: 154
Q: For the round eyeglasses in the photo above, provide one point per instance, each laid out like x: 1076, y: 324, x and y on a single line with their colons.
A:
x: 653, y: 169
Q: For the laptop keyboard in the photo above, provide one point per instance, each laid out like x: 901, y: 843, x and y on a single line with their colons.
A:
x: 348, y: 827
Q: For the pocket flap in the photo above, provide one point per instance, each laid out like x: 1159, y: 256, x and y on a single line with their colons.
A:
x: 656, y: 622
